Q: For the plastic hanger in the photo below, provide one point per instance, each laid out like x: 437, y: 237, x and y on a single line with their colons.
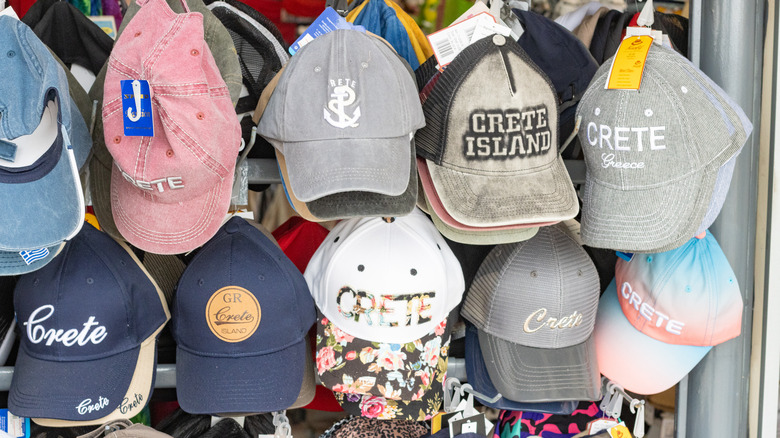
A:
x: 454, y: 391
x: 612, y: 404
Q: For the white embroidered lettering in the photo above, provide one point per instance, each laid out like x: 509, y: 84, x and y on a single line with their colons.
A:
x: 86, y: 406
x: 37, y: 333
x: 343, y: 95
x: 173, y: 182
x: 565, y: 322
x: 647, y: 311
x: 608, y: 160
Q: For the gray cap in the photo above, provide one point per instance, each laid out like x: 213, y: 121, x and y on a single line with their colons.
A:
x: 491, y: 139
x: 659, y: 160
x: 343, y: 114
x: 534, y: 304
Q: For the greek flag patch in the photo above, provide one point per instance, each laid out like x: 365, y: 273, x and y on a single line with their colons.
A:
x: 33, y: 255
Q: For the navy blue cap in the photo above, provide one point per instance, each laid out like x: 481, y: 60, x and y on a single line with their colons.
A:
x: 562, y: 57
x: 83, y: 319
x: 241, y: 314
x: 479, y: 379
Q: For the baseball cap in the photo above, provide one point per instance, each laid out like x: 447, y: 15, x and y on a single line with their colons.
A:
x: 526, y: 423
x: 89, y: 322
x: 101, y: 163
x: 479, y: 379
x: 174, y: 197
x: 667, y: 313
x: 669, y: 178
x: 356, y: 137
x: 385, y: 290
x: 484, y: 175
x: 241, y: 314
x: 534, y: 305
x: 38, y: 168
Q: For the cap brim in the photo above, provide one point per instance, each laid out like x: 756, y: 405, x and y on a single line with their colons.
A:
x: 50, y: 203
x: 546, y: 195
x: 12, y: 263
x: 634, y: 360
x: 658, y: 219
x: 530, y: 374
x: 70, y: 390
x: 171, y: 228
x: 479, y: 379
x: 344, y: 361
x: 325, y: 167
x: 248, y: 384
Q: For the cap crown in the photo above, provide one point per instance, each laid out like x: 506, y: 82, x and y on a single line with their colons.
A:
x: 539, y: 293
x: 241, y: 296
x: 483, y: 122
x: 92, y: 301
x: 197, y: 135
x: 344, y: 84
x: 687, y: 296
x: 385, y: 282
x: 675, y: 125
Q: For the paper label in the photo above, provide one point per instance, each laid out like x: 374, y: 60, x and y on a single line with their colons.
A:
x: 601, y: 424
x: 137, y: 109
x: 628, y: 63
x: 328, y: 21
x: 619, y: 431
x: 14, y: 426
x: 450, y: 41
x: 107, y: 23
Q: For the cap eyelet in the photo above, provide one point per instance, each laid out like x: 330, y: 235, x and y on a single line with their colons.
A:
x: 597, y: 111
x: 413, y: 272
x: 361, y: 268
x: 336, y: 239
x: 649, y: 259
x: 317, y: 69
x: 11, y: 53
x: 194, y: 52
x: 261, y: 277
x: 364, y: 64
x: 579, y: 272
x: 200, y: 115
x: 649, y: 112
x: 36, y: 282
x: 684, y: 89
x: 117, y: 139
x: 200, y: 282
x: 533, y: 274
x: 90, y: 280
x: 169, y: 153
x: 137, y: 34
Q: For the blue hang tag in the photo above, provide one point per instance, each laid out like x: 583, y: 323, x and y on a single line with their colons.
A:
x: 627, y: 256
x: 328, y: 21
x: 137, y: 109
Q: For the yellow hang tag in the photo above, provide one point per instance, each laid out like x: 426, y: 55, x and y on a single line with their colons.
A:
x: 619, y: 431
x: 629, y: 63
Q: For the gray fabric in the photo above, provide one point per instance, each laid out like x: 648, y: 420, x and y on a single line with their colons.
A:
x: 535, y: 375
x: 491, y: 140
x: 331, y: 142
x: 660, y: 206
x: 365, y: 204
x: 521, y: 287
x: 722, y: 184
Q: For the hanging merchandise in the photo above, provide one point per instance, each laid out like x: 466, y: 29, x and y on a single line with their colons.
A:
x: 659, y: 161
x: 175, y: 197
x: 89, y: 322
x: 241, y: 316
x: 534, y: 305
x: 101, y: 164
x: 490, y: 142
x: 512, y: 424
x: 664, y: 312
x: 382, y: 19
x: 341, y: 119
x: 385, y: 290
x: 43, y: 142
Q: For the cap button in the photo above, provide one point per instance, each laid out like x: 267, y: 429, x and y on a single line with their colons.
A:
x: 499, y: 40
x: 231, y: 227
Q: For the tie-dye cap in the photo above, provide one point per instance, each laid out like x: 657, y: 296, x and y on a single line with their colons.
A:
x: 664, y: 312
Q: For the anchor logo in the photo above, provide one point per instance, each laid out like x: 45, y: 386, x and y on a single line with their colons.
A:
x: 343, y: 96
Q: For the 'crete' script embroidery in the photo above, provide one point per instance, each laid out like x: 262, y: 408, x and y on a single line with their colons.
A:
x: 37, y: 333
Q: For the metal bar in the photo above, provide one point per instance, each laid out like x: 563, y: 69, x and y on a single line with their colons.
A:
x: 730, y: 44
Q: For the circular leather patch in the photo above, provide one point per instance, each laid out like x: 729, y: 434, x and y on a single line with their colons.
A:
x: 233, y: 314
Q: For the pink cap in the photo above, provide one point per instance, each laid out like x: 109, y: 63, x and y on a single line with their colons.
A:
x: 170, y: 192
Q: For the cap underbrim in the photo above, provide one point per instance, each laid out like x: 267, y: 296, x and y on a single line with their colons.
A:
x: 342, y: 360
x: 637, y: 362
x: 167, y: 228
x: 479, y: 379
x: 546, y: 195
x: 47, y: 389
x: 325, y: 167
x: 531, y: 375
x: 249, y: 384
x: 658, y: 219
x: 12, y: 263
x: 50, y: 203
x: 352, y: 204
